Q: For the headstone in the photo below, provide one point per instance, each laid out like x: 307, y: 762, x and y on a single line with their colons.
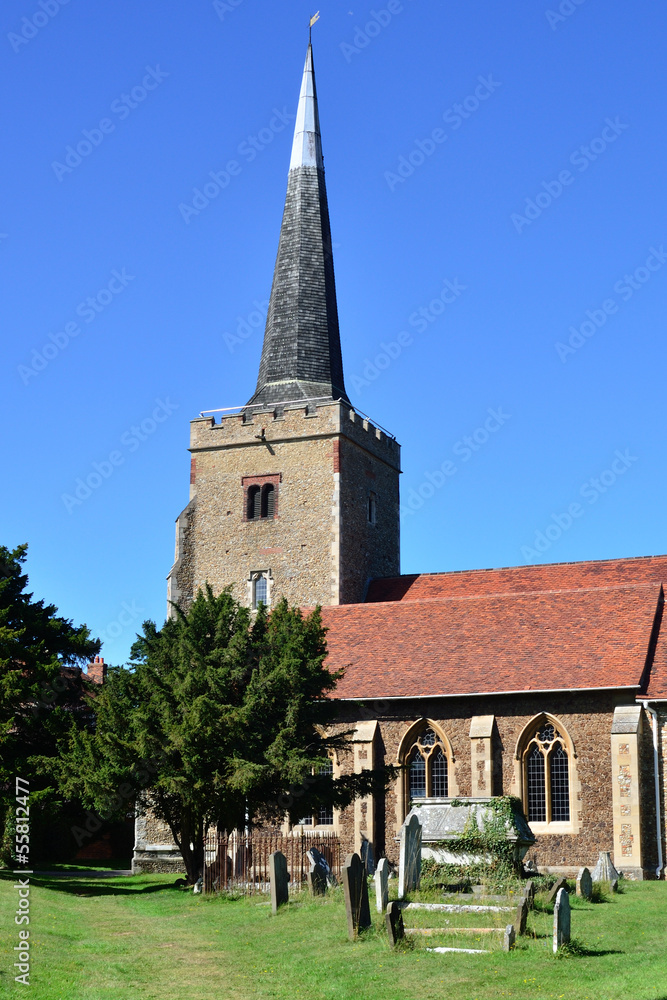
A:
x: 531, y: 866
x: 318, y: 874
x: 529, y: 893
x: 395, y: 927
x: 604, y: 870
x: 367, y: 856
x: 356, y: 895
x: 613, y: 885
x: 279, y: 880
x: 521, y: 917
x: 381, y: 879
x: 509, y: 938
x: 198, y: 886
x: 584, y: 884
x: 561, y: 919
x: 560, y: 884
x: 410, y: 856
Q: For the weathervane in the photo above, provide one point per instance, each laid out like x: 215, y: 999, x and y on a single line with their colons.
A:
x: 313, y: 19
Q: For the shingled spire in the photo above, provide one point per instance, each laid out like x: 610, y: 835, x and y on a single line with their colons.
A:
x: 301, y: 357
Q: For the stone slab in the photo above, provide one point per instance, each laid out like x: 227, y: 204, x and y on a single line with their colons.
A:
x: 381, y: 879
x: 394, y: 922
x: 584, y: 884
x: 355, y: 888
x: 561, y: 920
x: 410, y: 855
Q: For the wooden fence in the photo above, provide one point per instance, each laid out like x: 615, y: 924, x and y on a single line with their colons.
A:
x: 239, y: 862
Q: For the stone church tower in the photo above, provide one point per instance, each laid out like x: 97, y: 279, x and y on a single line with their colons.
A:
x: 296, y: 495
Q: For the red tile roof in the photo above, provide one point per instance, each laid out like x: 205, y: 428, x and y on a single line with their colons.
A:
x: 553, y: 576
x: 483, y: 643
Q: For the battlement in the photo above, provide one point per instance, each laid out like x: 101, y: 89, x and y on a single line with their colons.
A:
x: 290, y: 421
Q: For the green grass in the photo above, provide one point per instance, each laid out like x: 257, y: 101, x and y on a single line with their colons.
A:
x: 141, y: 938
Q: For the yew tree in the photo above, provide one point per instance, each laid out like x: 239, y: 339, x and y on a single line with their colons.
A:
x: 221, y: 719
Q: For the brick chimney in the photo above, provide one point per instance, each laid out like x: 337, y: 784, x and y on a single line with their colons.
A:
x: 97, y: 670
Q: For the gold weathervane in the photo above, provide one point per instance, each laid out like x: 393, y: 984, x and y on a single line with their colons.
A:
x: 313, y: 19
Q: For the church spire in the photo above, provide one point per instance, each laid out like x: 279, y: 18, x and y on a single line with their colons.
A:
x: 301, y: 356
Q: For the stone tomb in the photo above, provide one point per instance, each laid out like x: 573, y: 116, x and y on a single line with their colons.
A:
x: 356, y: 896
x: 381, y: 879
x: 410, y: 855
x: 584, y: 884
x: 561, y: 919
x: 279, y: 880
x: 447, y: 819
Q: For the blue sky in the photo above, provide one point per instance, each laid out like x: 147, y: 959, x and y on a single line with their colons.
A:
x: 499, y: 167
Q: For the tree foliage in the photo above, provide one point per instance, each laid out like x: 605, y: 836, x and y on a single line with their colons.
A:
x: 220, y: 720
x: 36, y: 695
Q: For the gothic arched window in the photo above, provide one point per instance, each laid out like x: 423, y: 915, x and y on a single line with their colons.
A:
x: 428, y: 770
x: 254, y: 503
x: 547, y: 775
x: 268, y: 500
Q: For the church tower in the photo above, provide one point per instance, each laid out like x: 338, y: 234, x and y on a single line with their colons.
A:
x: 296, y: 495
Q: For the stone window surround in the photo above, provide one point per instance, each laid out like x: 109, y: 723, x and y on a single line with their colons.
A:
x: 520, y: 784
x: 408, y: 741
x: 253, y: 577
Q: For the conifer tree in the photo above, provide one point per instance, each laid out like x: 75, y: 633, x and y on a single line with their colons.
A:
x: 220, y: 720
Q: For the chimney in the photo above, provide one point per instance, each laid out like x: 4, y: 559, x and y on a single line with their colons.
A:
x: 97, y: 670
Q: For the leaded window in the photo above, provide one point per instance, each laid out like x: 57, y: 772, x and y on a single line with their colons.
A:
x: 427, y: 767
x: 547, y: 773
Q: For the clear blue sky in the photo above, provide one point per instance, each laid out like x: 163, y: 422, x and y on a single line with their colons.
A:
x: 180, y: 90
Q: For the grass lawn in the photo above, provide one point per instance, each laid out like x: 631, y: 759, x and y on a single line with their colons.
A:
x: 140, y: 937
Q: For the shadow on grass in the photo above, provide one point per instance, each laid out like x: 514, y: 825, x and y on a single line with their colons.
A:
x: 575, y: 949
x: 77, y: 886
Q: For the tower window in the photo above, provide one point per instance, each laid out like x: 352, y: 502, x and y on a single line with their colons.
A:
x: 260, y: 497
x: 372, y: 508
x: 260, y: 589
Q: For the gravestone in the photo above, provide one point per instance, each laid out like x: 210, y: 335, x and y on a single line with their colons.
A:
x: 560, y: 884
x: 561, y: 919
x: 367, y: 856
x: 394, y: 920
x: 381, y: 879
x: 356, y: 895
x: 521, y: 917
x: 584, y: 884
x: 318, y: 874
x: 509, y: 938
x: 529, y: 893
x: 410, y: 855
x: 604, y: 870
x: 279, y: 880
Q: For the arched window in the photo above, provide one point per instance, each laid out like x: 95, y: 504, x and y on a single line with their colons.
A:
x: 547, y: 775
x: 259, y: 590
x: 254, y: 503
x: 428, y: 771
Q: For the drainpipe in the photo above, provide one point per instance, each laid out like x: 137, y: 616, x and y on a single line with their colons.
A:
x: 656, y: 774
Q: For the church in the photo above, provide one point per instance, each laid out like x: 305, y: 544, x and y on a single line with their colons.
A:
x: 547, y: 682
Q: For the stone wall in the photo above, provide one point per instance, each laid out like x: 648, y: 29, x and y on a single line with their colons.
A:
x: 319, y: 548
x: 586, y: 718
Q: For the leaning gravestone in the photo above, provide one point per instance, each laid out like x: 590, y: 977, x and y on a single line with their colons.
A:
x: 604, y: 870
x: 509, y: 938
x: 367, y: 856
x: 521, y: 917
x: 381, y: 879
x: 561, y: 919
x: 584, y: 884
x: 395, y: 927
x: 356, y: 895
x: 279, y: 880
x: 318, y: 873
x: 529, y: 893
x: 560, y: 884
x: 410, y: 856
